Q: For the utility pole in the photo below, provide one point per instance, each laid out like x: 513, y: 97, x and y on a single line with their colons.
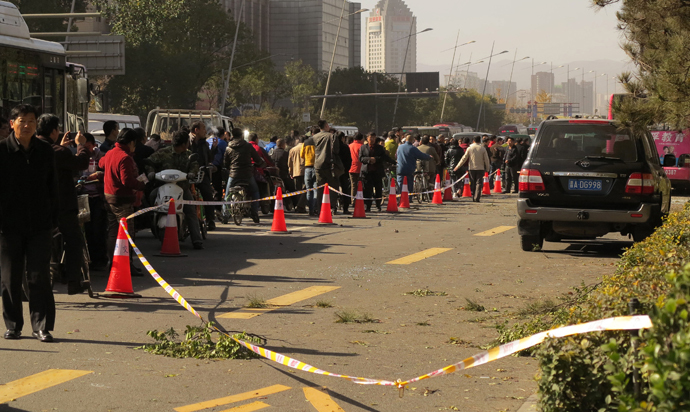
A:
x: 481, y: 104
x: 232, y: 58
x: 445, y: 97
x: 330, y: 69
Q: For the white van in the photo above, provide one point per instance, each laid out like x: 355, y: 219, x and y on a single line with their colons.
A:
x: 96, y: 121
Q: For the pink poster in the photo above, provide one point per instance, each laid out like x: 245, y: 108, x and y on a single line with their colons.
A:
x: 675, y: 143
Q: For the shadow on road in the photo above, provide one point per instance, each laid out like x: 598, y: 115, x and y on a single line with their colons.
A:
x: 597, y: 248
x: 335, y: 395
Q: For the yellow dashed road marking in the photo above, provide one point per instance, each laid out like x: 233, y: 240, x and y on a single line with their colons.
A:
x: 321, y: 401
x: 419, y: 256
x: 495, y: 231
x: 250, y: 407
x: 234, y: 398
x: 285, y: 300
x: 38, y: 382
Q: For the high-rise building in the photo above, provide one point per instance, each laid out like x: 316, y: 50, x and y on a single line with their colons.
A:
x: 389, y: 44
x: 307, y: 29
x: 255, y: 16
x: 542, y: 82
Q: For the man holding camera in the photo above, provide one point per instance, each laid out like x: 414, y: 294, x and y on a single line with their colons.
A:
x: 66, y: 165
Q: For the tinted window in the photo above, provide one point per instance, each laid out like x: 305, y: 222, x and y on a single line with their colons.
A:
x: 575, y: 141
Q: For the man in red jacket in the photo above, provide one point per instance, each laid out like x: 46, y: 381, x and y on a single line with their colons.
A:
x: 120, y: 185
x: 356, y: 167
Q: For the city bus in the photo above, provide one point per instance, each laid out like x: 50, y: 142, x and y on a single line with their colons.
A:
x: 36, y: 72
x: 421, y: 130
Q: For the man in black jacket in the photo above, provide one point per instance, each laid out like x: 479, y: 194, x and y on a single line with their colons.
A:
x: 66, y: 166
x: 452, y: 158
x: 200, y: 147
x: 280, y: 157
x: 327, y: 163
x: 28, y: 216
x: 373, y: 157
x: 513, y: 163
x: 238, y: 160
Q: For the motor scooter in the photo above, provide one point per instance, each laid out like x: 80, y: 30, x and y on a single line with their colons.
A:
x: 171, y: 190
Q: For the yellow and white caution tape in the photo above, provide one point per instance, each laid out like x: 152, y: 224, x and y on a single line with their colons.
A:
x: 617, y: 323
x: 229, y: 202
x: 171, y: 291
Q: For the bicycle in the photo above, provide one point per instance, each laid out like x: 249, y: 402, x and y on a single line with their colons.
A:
x: 57, y: 269
x: 388, y: 177
x: 421, y: 186
x: 277, y: 182
x: 237, y: 210
x: 196, y: 194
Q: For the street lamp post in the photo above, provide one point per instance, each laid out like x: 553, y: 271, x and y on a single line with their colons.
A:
x: 335, y: 47
x: 511, y: 74
x: 481, y: 104
x: 232, y: 58
x: 443, y: 109
x: 397, y: 96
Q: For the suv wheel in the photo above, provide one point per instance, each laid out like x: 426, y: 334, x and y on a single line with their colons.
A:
x: 531, y: 243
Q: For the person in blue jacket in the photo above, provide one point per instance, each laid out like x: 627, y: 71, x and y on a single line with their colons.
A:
x: 407, y: 161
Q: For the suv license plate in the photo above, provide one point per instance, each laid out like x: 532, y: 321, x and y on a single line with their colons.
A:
x: 584, y: 184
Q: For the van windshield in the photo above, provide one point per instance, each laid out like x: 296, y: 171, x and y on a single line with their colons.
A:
x: 578, y: 141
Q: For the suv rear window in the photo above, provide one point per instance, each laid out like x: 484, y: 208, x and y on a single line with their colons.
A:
x: 577, y: 141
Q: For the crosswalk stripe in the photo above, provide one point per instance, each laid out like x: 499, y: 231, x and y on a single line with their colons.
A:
x: 233, y: 398
x: 250, y: 407
x: 285, y: 300
x: 38, y: 382
x: 416, y: 257
x: 495, y: 231
x: 321, y: 401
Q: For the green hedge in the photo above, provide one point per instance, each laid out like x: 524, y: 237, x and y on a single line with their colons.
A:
x: 575, y: 371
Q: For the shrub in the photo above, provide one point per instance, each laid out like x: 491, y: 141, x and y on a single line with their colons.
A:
x: 573, y: 376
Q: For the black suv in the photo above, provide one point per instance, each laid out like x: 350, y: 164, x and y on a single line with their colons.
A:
x: 585, y: 178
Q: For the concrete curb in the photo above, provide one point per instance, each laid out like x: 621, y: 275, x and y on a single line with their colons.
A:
x: 530, y: 404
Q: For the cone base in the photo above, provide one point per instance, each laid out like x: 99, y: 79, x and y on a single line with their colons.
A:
x: 353, y: 217
x: 119, y: 295
x: 325, y: 224
x: 278, y: 232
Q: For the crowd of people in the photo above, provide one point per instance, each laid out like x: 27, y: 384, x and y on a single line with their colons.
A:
x: 47, y: 169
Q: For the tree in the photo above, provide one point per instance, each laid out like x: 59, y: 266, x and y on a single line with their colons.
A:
x: 48, y: 6
x: 543, y: 97
x: 657, y: 39
x: 175, y: 49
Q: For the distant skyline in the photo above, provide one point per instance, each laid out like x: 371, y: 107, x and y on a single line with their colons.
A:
x: 558, y: 31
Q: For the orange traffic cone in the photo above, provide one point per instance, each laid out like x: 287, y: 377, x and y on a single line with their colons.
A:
x: 448, y: 191
x: 279, y: 214
x: 392, y: 199
x: 120, y: 280
x: 171, y: 244
x: 466, y: 189
x: 359, y: 204
x: 497, y: 182
x: 404, y: 196
x: 438, y: 196
x: 486, y: 190
x: 326, y: 216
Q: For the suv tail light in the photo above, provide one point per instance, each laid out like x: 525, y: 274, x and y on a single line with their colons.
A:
x: 531, y: 181
x: 640, y: 184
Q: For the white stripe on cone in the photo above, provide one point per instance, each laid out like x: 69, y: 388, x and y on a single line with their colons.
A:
x: 326, y: 198
x: 360, y: 195
x: 392, y: 191
x: 171, y: 220
x: 279, y: 205
x: 404, y: 188
x: 121, y: 248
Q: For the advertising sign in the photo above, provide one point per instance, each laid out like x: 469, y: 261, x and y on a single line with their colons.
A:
x: 677, y: 144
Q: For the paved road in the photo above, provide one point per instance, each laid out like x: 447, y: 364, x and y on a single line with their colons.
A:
x: 467, y: 250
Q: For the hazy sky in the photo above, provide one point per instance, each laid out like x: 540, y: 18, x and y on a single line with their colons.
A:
x: 558, y: 31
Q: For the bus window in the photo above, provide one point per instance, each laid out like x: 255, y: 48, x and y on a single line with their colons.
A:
x: 48, y: 90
